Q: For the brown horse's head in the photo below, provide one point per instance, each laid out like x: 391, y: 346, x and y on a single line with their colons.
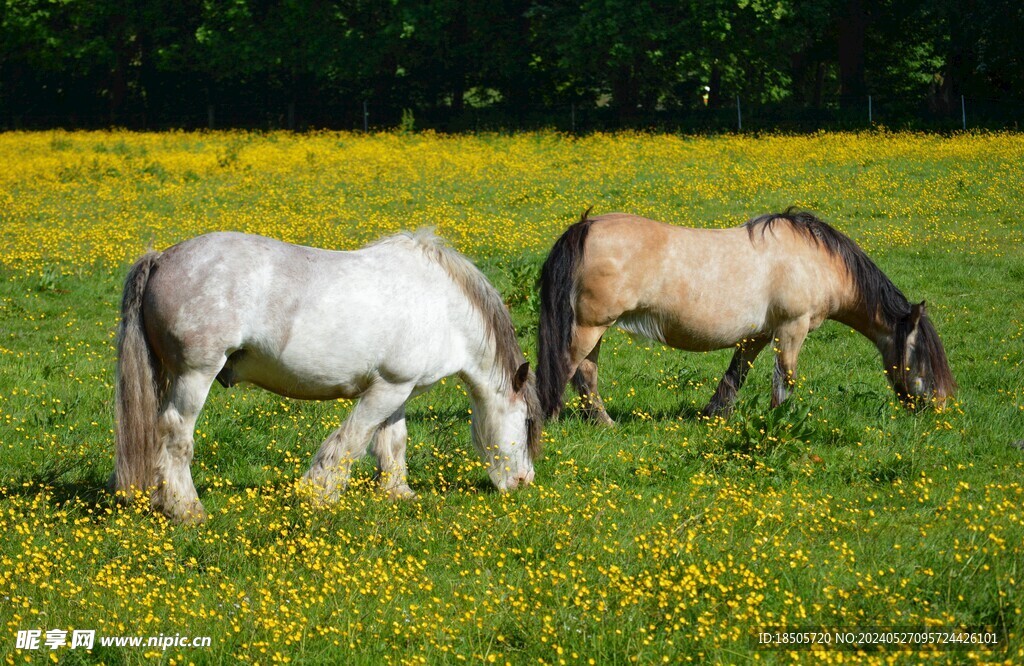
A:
x: 915, y: 361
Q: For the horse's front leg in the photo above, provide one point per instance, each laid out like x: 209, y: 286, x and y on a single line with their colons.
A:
x: 788, y: 339
x: 389, y: 447
x: 329, y: 472
x: 742, y: 360
x: 585, y: 381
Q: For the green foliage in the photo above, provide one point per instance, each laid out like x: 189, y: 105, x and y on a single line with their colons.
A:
x: 165, y: 61
x: 762, y: 428
x: 408, y: 122
x: 49, y: 278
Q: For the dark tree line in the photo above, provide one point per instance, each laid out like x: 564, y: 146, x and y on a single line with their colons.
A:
x: 159, y: 63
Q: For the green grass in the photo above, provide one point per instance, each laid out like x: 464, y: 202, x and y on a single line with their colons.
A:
x: 669, y: 537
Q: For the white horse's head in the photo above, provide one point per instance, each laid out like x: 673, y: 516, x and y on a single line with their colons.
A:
x: 507, y: 430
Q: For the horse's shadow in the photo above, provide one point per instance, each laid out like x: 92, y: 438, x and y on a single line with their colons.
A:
x: 480, y: 485
x: 88, y: 491
x: 622, y: 417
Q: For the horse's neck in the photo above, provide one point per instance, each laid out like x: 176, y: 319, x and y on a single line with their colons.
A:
x: 871, y: 325
x: 482, y: 369
x: 484, y: 376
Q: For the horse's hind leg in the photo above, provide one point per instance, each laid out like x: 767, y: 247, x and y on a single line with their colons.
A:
x: 329, y: 471
x: 742, y: 360
x: 585, y: 381
x: 389, y: 448
x: 175, y: 493
x: 788, y: 340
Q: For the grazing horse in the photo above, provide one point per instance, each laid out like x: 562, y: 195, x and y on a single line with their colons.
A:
x: 771, y: 280
x: 380, y: 324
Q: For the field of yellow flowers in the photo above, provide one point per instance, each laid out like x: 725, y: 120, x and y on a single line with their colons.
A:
x: 669, y: 539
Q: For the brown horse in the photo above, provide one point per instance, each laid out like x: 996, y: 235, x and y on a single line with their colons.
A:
x: 773, y: 279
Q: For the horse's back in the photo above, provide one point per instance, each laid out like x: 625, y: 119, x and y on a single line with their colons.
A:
x: 297, y: 320
x: 693, y: 288
x: 634, y: 263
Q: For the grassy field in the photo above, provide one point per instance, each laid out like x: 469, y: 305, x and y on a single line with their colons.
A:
x: 668, y: 539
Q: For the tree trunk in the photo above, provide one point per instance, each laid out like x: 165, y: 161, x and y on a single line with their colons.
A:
x: 117, y: 81
x: 715, y: 85
x: 819, y: 84
x: 520, y: 78
x: 459, y: 32
x: 624, y: 93
x: 852, y: 29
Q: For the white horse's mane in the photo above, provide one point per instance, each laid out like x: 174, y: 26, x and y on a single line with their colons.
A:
x: 476, y: 287
x: 495, y: 316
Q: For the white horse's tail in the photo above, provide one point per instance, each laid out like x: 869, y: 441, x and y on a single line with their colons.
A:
x: 137, y: 398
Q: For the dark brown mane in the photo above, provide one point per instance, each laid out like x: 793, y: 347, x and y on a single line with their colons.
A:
x: 875, y: 289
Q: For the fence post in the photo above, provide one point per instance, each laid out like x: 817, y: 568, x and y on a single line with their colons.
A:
x: 291, y: 116
x: 209, y: 116
x: 572, y: 110
x: 739, y: 115
x: 870, y: 119
x: 366, y: 117
x: 963, y: 111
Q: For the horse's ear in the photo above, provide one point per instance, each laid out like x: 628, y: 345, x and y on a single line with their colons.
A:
x: 519, y: 380
x: 916, y: 312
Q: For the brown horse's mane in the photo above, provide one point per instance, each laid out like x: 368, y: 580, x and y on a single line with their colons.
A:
x: 876, y: 291
x: 874, y: 288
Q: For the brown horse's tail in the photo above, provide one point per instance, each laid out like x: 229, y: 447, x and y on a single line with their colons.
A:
x: 558, y: 280
x: 137, y: 392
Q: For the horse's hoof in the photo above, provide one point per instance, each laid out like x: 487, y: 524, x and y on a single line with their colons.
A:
x: 710, y: 412
x: 191, y: 514
x: 402, y: 492
x: 194, y: 516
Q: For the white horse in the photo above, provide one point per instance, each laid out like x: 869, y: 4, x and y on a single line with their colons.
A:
x: 381, y: 324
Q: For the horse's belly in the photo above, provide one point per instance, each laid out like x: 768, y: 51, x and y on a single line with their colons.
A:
x: 314, y: 371
x: 709, y: 338
x: 691, y: 333
x: 294, y: 380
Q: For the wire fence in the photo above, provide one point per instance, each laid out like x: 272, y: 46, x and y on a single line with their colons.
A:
x: 738, y: 115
